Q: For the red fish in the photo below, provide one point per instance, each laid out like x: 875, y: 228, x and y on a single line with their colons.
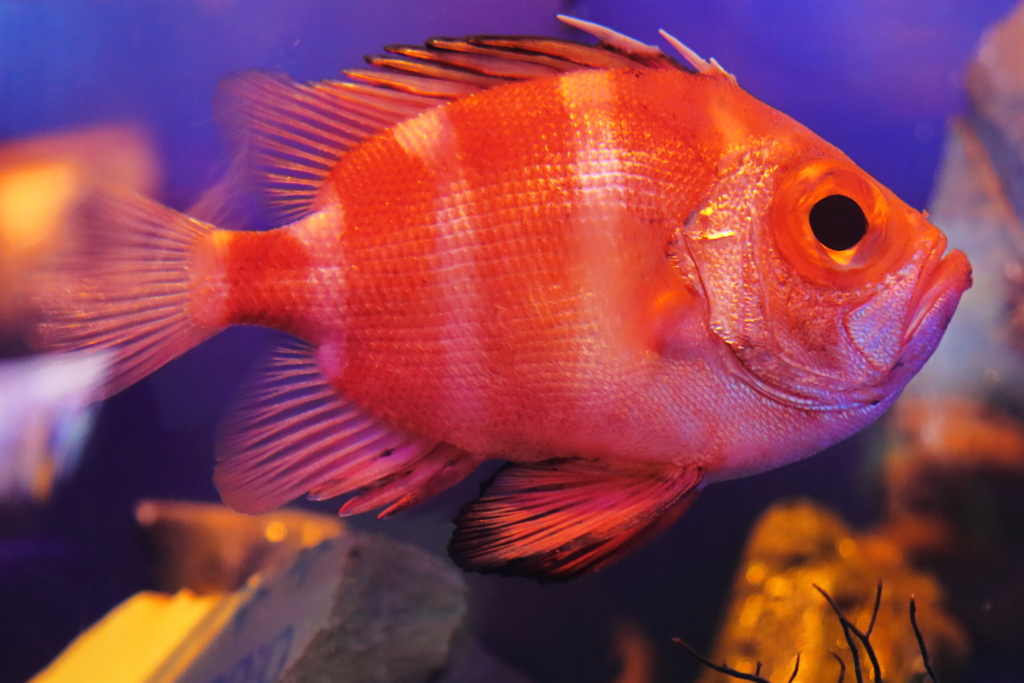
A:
x: 625, y: 276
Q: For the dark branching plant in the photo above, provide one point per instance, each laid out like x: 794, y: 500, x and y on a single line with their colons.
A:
x: 856, y: 639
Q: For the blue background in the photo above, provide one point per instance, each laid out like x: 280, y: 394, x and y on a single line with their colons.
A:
x: 878, y: 78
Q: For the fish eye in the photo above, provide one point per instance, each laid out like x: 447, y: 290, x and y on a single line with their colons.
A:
x: 835, y: 224
x: 838, y: 222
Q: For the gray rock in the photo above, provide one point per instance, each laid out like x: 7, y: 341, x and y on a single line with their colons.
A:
x: 395, y: 612
x: 995, y: 81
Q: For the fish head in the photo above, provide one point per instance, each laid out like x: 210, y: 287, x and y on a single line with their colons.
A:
x: 829, y: 291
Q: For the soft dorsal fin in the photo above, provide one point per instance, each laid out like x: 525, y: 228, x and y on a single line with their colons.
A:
x: 292, y: 134
x: 558, y: 519
x: 293, y: 434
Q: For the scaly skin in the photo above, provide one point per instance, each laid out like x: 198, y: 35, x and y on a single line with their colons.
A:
x: 560, y: 267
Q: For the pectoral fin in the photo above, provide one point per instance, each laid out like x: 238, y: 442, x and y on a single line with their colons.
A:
x: 559, y: 519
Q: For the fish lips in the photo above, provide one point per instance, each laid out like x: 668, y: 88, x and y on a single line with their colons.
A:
x: 939, y: 292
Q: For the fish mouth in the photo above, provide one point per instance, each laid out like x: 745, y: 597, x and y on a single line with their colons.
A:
x: 945, y: 279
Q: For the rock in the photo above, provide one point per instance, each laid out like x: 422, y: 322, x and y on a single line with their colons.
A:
x: 355, y: 608
x: 775, y: 612
x: 969, y: 205
x: 291, y: 597
x: 978, y: 201
x: 995, y: 82
x: 393, y: 616
x: 129, y: 644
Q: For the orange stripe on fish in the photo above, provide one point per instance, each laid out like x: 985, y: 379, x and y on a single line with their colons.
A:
x: 588, y: 260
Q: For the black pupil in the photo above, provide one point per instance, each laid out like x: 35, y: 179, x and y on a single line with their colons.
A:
x: 838, y: 222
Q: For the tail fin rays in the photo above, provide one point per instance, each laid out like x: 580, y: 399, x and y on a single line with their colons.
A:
x: 123, y: 287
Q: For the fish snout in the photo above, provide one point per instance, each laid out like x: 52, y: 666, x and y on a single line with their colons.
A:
x: 939, y: 292
x: 941, y: 285
x: 899, y: 327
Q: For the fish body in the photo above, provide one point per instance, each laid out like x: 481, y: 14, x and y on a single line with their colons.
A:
x: 463, y: 254
x: 624, y: 277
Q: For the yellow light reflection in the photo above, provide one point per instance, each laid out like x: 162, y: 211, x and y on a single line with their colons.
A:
x: 34, y: 202
x: 275, y: 531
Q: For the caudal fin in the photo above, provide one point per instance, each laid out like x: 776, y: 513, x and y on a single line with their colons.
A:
x: 122, y: 287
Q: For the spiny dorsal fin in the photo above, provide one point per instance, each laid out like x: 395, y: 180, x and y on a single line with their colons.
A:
x: 293, y: 134
x: 651, y: 55
x: 706, y: 67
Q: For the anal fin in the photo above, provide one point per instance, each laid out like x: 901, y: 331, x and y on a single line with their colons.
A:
x: 293, y: 434
x: 558, y: 519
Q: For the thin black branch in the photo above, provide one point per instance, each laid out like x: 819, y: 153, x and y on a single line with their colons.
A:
x: 842, y: 667
x: 854, y: 652
x: 723, y: 669
x: 852, y: 634
x: 847, y: 624
x: 850, y: 642
x: 874, y: 612
x: 729, y: 671
x: 920, y: 641
x: 796, y: 667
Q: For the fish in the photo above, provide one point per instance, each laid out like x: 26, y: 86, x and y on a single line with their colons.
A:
x: 615, y: 270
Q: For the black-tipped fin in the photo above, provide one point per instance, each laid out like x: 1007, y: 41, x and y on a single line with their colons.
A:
x: 559, y: 519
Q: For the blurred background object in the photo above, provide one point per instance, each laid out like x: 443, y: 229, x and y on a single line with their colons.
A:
x: 636, y: 652
x: 210, y: 548
x: 42, y: 179
x: 775, y: 612
x: 46, y: 415
x: 955, y: 504
x: 954, y: 464
x: 995, y: 82
x: 322, y: 605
